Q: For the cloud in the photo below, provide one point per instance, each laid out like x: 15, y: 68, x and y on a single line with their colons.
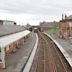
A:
x: 36, y: 6
x: 35, y: 10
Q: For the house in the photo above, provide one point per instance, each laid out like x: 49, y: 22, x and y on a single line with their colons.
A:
x: 11, y: 37
x: 7, y: 22
x: 47, y: 25
x: 65, y: 27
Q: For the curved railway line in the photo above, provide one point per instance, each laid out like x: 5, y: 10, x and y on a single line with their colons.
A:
x: 48, y: 57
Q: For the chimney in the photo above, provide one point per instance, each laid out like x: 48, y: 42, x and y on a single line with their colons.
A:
x: 62, y: 16
x: 65, y: 16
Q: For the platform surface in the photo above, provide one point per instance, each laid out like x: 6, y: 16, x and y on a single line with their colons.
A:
x: 15, y: 61
x: 66, y: 46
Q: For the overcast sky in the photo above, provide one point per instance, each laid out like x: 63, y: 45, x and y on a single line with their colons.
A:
x: 33, y: 11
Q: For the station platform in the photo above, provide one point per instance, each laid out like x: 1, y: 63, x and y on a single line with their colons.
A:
x: 16, y: 62
x: 64, y: 45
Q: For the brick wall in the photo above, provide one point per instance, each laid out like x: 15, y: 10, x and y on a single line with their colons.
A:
x: 64, y: 29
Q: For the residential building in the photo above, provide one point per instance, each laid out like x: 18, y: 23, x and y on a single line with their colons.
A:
x: 47, y: 25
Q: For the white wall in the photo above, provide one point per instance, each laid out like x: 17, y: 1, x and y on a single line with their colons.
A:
x: 8, y: 23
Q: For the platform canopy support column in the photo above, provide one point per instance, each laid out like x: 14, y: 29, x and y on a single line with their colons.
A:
x: 3, y: 57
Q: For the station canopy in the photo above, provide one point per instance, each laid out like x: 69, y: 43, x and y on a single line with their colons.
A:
x: 8, y: 39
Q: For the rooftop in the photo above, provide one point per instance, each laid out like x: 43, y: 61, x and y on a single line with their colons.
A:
x: 69, y: 17
x: 10, y: 29
x: 6, y: 40
x: 49, y: 24
x: 6, y: 20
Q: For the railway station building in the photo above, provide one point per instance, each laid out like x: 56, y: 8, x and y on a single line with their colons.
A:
x: 11, y: 37
x: 7, y: 22
x: 65, y: 27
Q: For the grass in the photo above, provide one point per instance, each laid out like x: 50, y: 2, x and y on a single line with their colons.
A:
x: 53, y: 30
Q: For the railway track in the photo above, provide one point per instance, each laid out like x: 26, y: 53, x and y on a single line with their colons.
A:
x: 48, y: 57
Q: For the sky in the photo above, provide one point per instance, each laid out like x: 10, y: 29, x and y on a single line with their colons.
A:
x: 34, y: 11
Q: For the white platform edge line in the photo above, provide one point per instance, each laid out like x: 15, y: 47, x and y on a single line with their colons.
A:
x: 69, y: 59
x: 29, y: 63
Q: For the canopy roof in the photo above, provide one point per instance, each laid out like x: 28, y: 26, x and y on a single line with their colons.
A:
x: 8, y: 39
x: 10, y: 29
